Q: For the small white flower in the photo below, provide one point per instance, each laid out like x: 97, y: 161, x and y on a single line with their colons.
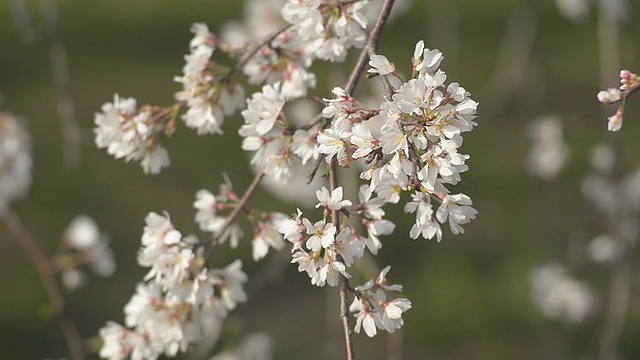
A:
x: 322, y: 234
x: 263, y: 109
x: 459, y: 211
x: 380, y: 65
x: 364, y: 319
x: 332, y: 201
x: 615, y: 121
x: 83, y: 233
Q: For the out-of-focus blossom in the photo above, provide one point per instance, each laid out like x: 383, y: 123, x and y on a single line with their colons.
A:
x: 15, y: 161
x: 558, y: 296
x: 549, y: 152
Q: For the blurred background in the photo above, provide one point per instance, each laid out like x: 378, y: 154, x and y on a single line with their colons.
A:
x: 471, y: 294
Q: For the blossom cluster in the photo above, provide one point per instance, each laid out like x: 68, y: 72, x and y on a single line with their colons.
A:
x: 83, y: 244
x: 180, y: 299
x: 130, y: 133
x: 207, y: 91
x: 629, y: 83
x: 15, y: 161
x: 410, y: 143
x: 374, y: 311
x: 328, y: 28
x: 324, y: 251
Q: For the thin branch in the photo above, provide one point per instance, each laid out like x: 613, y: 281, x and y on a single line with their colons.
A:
x: 243, y: 61
x: 372, y: 45
x: 62, y: 80
x: 514, y: 57
x: 235, y: 212
x: 343, y: 286
x: 619, y: 291
x: 356, y: 74
x: 47, y: 276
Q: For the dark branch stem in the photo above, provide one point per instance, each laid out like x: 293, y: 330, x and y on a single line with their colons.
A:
x: 355, y: 76
x: 343, y: 286
x: 371, y: 46
x: 47, y: 276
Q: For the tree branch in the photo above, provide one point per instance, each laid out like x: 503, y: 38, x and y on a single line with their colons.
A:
x: 355, y: 76
x: 47, y: 276
x: 235, y: 212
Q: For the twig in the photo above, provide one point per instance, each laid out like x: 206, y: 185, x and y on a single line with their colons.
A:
x: 47, y: 276
x: 62, y: 81
x: 514, y: 57
x: 343, y: 286
x: 245, y: 58
x: 619, y: 291
x: 235, y: 212
x: 372, y: 45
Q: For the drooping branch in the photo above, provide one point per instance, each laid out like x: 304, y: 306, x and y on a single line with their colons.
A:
x: 47, y: 276
x: 356, y: 74
x: 62, y: 80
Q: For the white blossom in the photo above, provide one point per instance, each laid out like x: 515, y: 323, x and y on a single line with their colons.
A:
x: 549, y: 152
x: 333, y: 200
x: 559, y: 296
x: 130, y: 134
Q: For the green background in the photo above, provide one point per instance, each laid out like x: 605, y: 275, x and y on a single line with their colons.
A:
x: 470, y: 293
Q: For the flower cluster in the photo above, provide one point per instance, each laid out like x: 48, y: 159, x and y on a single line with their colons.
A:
x: 410, y: 143
x: 323, y: 250
x: 282, y: 59
x: 374, y: 311
x: 15, y: 161
x: 207, y: 91
x: 83, y: 244
x: 178, y: 300
x: 327, y: 27
x: 132, y: 134
x: 629, y: 83
x: 407, y: 144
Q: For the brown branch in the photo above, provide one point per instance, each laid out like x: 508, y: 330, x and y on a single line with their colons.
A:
x: 243, y: 61
x: 235, y: 212
x: 47, y: 276
x: 356, y: 74
x: 372, y: 45
x: 343, y: 286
